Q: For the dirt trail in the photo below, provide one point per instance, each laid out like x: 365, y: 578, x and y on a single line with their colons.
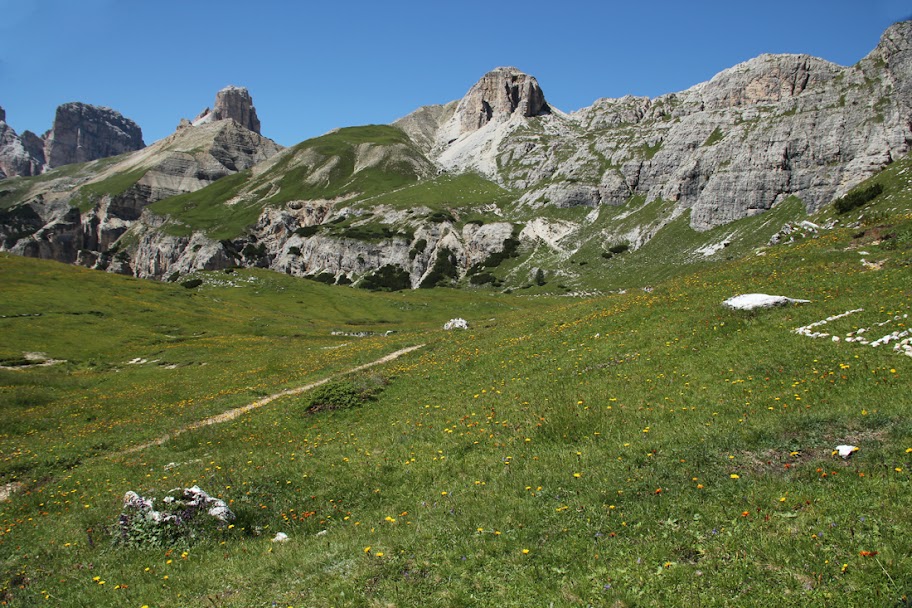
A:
x: 232, y: 414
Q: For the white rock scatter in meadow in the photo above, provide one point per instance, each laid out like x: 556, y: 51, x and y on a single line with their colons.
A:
x: 902, y: 338
x: 806, y: 330
x: 191, y: 501
x: 751, y: 301
x: 457, y: 323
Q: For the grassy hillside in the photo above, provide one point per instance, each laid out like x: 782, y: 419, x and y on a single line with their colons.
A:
x: 351, y: 163
x: 644, y: 448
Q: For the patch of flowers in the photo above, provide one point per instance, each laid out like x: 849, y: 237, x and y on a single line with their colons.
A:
x: 185, y: 515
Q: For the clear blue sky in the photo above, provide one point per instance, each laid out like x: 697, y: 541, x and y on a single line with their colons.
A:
x: 315, y: 66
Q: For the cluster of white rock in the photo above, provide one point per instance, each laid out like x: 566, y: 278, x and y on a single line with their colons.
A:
x: 190, y: 501
x: 902, y: 338
x: 806, y: 330
x: 457, y: 323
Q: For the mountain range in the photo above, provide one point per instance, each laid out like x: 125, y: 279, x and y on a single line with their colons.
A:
x: 498, y: 188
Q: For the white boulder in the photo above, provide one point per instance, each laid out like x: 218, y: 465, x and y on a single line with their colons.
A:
x: 751, y: 301
x: 457, y: 323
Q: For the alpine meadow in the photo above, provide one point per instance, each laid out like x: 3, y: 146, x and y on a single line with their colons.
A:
x: 490, y: 354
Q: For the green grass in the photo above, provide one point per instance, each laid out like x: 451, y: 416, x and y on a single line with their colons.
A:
x: 714, y: 137
x: 336, y: 156
x: 210, y: 348
x: 87, y: 196
x: 332, y: 158
x: 634, y: 449
x: 206, y: 210
x: 445, y: 192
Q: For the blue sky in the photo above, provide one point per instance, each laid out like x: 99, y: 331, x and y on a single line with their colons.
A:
x: 315, y: 66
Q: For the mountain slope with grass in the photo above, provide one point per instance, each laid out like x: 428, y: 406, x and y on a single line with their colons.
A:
x: 637, y: 448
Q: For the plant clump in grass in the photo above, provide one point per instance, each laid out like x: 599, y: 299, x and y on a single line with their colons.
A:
x: 857, y: 198
x: 485, y: 278
x: 509, y: 250
x: 306, y: 231
x: 619, y: 248
x: 179, y: 522
x: 418, y: 248
x: 323, y: 277
x: 192, y: 283
x: 345, y: 394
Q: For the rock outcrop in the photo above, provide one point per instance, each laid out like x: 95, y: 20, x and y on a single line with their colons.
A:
x: 467, y: 135
x: 83, y: 132
x: 15, y: 152
x: 499, y: 94
x: 232, y: 103
x: 371, y: 202
x: 774, y: 127
x: 79, y: 218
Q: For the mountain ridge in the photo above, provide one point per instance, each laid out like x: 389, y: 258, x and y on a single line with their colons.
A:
x: 768, y: 130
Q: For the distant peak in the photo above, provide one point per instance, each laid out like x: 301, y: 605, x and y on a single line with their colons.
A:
x: 234, y: 103
x: 232, y: 87
x: 499, y: 94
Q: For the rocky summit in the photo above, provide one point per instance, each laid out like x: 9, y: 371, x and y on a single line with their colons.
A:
x: 19, y: 155
x: 495, y: 188
x: 231, y: 103
x: 82, y: 132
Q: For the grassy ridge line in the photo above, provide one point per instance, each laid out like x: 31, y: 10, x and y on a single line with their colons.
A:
x: 333, y: 157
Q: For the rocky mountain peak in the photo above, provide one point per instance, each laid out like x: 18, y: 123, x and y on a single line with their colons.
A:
x: 2, y: 114
x: 500, y: 94
x: 895, y: 50
x: 765, y: 79
x: 233, y: 103
x: 896, y: 40
x: 84, y: 132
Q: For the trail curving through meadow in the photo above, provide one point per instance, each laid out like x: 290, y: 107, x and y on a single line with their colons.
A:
x: 232, y: 414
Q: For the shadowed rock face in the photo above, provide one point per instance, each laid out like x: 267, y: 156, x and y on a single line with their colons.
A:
x: 83, y: 132
x: 232, y: 103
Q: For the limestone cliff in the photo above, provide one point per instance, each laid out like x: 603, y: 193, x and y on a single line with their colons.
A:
x: 16, y: 156
x: 83, y: 132
x: 80, y: 217
x: 231, y: 103
x: 767, y: 129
